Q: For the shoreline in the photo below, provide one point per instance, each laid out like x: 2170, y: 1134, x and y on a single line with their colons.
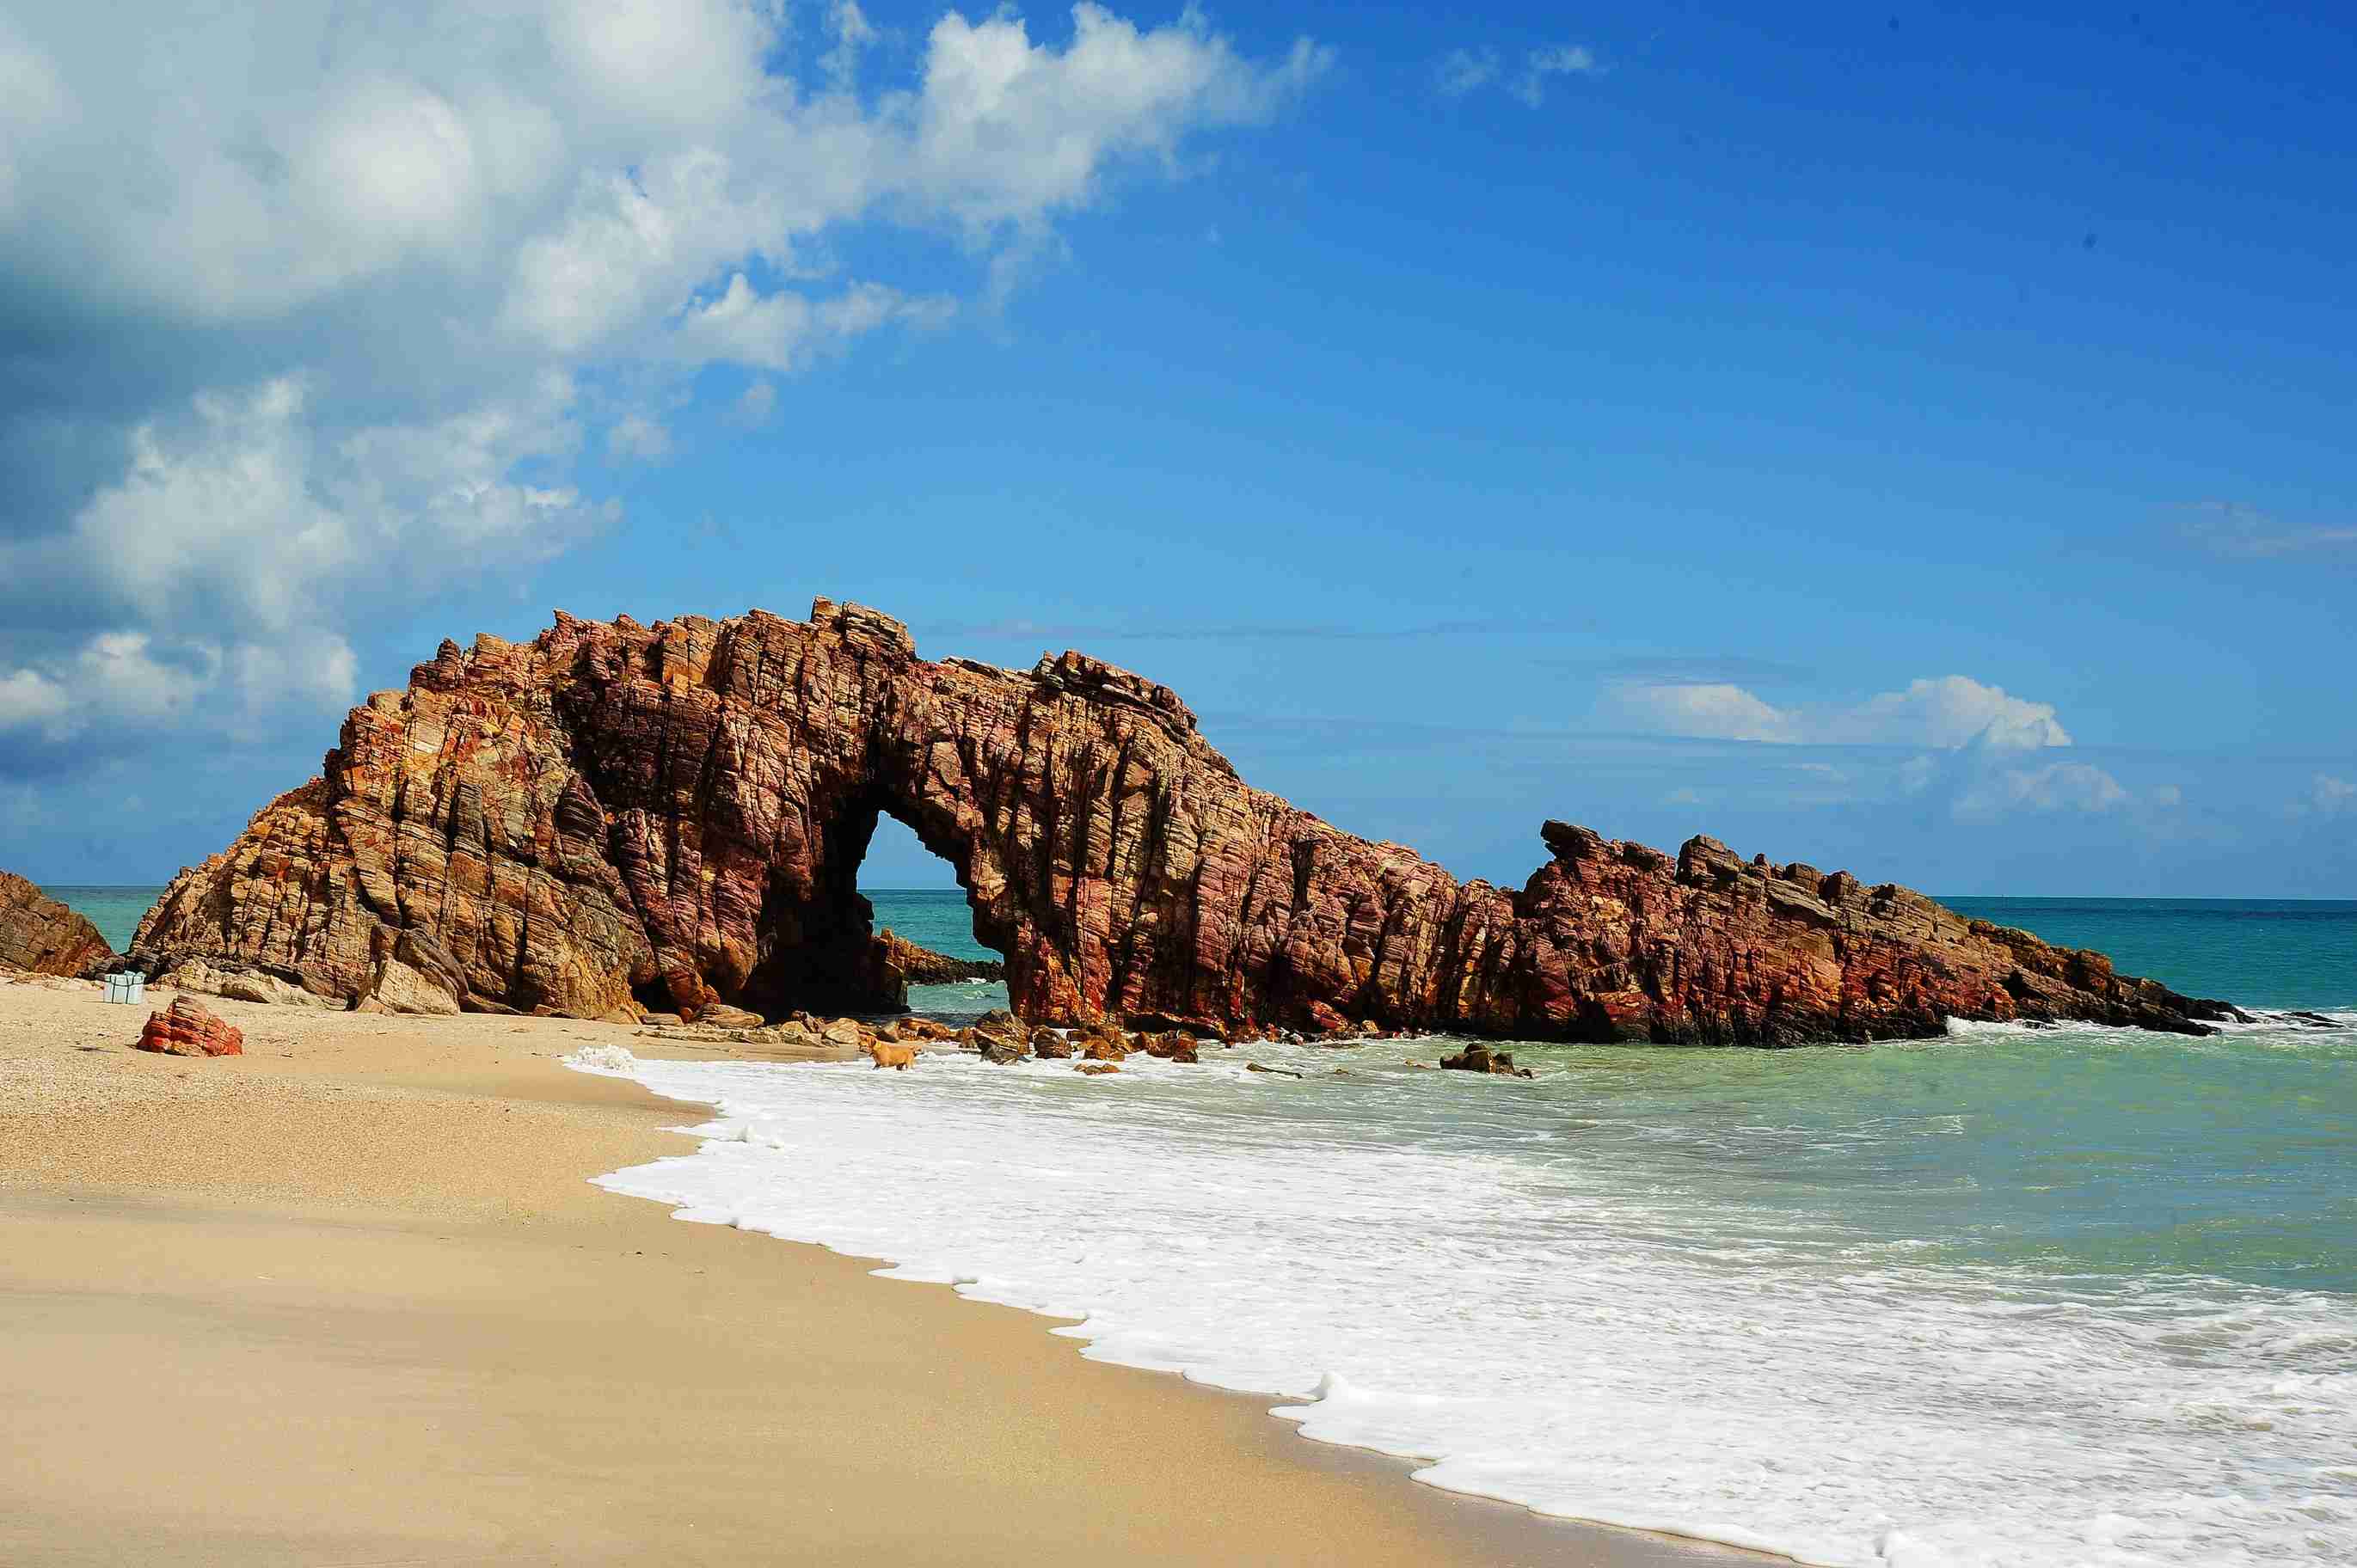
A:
x: 353, y: 1298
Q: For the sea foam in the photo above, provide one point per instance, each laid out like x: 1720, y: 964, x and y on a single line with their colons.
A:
x: 1502, y: 1280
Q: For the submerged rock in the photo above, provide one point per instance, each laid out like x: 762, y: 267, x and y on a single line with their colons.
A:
x: 1480, y: 1058
x: 616, y: 815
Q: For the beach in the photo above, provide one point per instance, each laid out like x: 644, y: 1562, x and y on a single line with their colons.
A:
x: 350, y: 1298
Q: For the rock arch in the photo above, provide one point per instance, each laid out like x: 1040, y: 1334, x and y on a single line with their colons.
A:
x: 615, y: 817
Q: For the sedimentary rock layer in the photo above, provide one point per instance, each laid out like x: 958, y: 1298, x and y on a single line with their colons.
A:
x: 39, y: 934
x: 615, y: 817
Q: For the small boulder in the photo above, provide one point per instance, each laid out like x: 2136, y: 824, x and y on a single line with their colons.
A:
x: 1046, y: 1042
x: 842, y: 1032
x: 1094, y: 1070
x: 722, y: 1015
x: 187, y: 1030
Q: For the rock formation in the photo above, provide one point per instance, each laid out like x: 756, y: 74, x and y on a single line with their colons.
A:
x: 187, y: 1030
x: 41, y: 935
x: 671, y: 818
x: 922, y: 966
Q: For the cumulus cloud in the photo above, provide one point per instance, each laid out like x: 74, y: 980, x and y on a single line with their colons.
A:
x: 2056, y: 787
x: 305, y: 332
x: 1711, y: 710
x: 1945, y: 711
x: 28, y: 697
x: 783, y: 330
x: 852, y: 32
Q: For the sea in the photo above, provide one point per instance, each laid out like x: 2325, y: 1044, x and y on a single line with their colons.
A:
x: 2062, y: 1296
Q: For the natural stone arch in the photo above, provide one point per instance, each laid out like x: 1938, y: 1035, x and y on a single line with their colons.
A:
x: 614, y: 817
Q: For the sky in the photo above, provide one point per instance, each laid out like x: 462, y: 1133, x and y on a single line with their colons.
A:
x: 1906, y: 441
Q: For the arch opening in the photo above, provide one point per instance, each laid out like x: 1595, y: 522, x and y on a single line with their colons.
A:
x: 824, y: 950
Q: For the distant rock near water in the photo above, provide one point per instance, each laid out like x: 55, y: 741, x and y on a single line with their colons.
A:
x: 41, y: 935
x: 616, y: 819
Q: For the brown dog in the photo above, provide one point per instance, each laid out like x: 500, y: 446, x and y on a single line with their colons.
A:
x: 887, y: 1054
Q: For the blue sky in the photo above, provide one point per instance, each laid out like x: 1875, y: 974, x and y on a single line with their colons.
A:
x: 1901, y: 440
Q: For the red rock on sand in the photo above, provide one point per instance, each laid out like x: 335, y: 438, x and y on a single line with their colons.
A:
x: 185, y: 1029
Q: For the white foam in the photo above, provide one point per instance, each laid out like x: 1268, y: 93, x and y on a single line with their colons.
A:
x: 614, y: 1061
x: 1417, y: 1274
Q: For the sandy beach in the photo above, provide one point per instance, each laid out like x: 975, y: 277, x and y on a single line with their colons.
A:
x: 350, y: 1299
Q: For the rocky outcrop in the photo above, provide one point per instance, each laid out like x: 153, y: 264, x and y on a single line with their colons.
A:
x: 187, y: 1030
x: 616, y: 816
x: 240, y: 985
x: 41, y: 936
x: 1480, y: 1058
x: 922, y: 966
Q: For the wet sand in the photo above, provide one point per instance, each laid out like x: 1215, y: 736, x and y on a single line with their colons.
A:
x: 350, y: 1299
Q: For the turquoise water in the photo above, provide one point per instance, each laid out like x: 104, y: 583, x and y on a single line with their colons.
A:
x: 116, y: 911
x: 2264, y: 952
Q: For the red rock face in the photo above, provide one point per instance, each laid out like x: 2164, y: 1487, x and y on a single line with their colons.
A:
x: 185, y: 1029
x: 39, y: 934
x: 675, y: 815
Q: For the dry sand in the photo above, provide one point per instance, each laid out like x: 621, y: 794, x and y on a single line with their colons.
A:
x: 350, y: 1299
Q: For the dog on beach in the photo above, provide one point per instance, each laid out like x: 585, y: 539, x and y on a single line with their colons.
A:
x: 887, y: 1054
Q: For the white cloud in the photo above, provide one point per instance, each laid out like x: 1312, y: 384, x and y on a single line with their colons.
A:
x: 1717, y: 711
x: 1947, y: 711
x: 1558, y: 60
x: 636, y: 438
x: 754, y: 405
x: 784, y: 330
x: 852, y: 33
x: 115, y: 678
x: 31, y: 100
x: 2056, y: 787
x: 2329, y: 795
x: 28, y: 697
x: 1462, y: 70
x: 374, y: 250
